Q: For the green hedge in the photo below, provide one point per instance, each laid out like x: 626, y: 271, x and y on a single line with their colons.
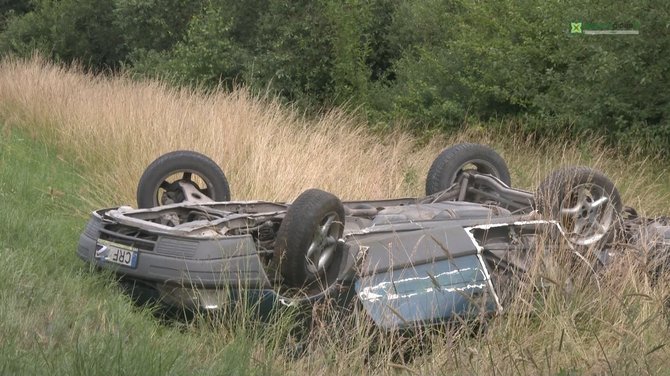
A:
x: 432, y: 64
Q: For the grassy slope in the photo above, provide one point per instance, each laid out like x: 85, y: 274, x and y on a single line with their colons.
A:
x: 56, y: 317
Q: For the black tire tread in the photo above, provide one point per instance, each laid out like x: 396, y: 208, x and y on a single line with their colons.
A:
x: 457, y: 155
x: 181, y: 160
x: 296, y: 233
x: 551, y: 191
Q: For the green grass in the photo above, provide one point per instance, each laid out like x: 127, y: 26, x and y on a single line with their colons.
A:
x: 56, y: 316
x: 72, y: 142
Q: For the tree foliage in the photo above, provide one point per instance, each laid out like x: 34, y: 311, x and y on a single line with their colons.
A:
x: 67, y: 30
x: 429, y: 63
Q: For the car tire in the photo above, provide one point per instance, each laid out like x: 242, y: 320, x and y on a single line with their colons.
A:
x: 201, y: 172
x: 307, y: 243
x: 452, y: 161
x: 585, y: 203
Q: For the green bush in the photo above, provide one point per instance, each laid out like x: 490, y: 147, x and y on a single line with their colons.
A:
x: 430, y: 64
x: 309, y: 52
x: 206, y: 54
x: 13, y: 8
x: 67, y: 30
x: 489, y: 60
x: 154, y: 25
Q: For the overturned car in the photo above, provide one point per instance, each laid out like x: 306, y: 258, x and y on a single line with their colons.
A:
x: 407, y: 261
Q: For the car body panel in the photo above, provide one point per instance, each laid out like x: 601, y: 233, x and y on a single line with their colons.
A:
x: 409, y: 262
x: 411, y: 245
x: 427, y: 293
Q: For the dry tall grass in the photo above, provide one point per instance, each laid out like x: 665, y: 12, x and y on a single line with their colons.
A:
x: 114, y: 127
x: 117, y: 126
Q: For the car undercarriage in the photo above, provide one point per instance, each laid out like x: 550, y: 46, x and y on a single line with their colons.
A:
x: 408, y: 261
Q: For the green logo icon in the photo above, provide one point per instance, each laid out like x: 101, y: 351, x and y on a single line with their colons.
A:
x: 575, y: 27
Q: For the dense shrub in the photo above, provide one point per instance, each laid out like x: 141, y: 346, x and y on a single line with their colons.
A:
x: 432, y: 64
x: 205, y: 55
x: 13, y: 8
x: 67, y: 30
x: 154, y: 25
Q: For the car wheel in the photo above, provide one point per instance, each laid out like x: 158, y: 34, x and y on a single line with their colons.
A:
x: 454, y: 160
x: 584, y: 202
x: 307, y: 242
x: 181, y: 176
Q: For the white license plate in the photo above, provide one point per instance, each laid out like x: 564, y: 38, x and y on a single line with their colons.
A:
x: 117, y: 253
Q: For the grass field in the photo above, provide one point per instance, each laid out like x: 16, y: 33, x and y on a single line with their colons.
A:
x: 72, y: 142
